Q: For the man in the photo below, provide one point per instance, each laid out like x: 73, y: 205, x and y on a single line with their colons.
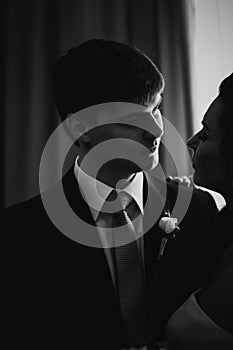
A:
x: 107, y: 293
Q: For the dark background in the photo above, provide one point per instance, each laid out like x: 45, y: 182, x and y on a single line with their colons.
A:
x: 36, y: 32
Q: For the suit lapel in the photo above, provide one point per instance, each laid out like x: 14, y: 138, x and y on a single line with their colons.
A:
x: 75, y: 198
x: 94, y: 258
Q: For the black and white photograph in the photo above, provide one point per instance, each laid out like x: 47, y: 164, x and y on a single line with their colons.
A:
x: 117, y: 200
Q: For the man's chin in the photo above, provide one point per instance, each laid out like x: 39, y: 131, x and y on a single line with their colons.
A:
x: 149, y: 163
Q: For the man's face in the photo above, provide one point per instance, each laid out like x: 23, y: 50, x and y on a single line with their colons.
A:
x: 126, y: 123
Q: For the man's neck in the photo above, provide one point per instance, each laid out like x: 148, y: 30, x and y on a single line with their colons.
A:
x: 115, y: 180
x: 111, y: 175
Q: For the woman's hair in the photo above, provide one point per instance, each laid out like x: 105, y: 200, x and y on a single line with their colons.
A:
x: 101, y: 71
x: 226, y: 123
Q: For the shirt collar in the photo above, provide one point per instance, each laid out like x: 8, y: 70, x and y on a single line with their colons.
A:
x: 96, y: 192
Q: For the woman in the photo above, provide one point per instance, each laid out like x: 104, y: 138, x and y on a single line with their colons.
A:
x: 205, y: 320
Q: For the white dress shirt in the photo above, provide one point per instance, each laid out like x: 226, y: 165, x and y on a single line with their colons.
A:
x: 95, y: 194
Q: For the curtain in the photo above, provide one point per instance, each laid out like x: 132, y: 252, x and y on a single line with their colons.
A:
x: 38, y: 31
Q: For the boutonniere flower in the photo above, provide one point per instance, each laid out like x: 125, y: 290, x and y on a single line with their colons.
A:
x: 169, y: 226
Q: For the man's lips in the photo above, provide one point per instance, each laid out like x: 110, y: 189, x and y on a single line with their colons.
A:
x: 152, y: 147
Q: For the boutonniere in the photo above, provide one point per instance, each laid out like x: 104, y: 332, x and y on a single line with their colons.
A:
x: 170, y: 227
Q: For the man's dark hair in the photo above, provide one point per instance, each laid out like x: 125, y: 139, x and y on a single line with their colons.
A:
x: 100, y: 71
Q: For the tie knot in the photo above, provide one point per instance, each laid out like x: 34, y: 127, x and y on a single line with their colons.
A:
x: 124, y: 199
x: 118, y: 200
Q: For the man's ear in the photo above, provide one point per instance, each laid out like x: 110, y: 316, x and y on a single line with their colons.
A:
x: 77, y: 128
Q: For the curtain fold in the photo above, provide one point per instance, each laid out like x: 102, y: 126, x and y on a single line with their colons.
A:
x: 38, y: 31
x: 176, y: 24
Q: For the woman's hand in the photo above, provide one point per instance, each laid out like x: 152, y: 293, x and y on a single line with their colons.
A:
x: 181, y: 180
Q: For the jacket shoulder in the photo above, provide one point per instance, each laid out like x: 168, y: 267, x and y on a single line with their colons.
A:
x: 196, y: 199
x: 26, y: 211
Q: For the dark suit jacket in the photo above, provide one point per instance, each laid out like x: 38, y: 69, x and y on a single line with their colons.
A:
x: 60, y: 292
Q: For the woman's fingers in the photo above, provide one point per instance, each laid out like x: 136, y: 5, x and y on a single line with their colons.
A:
x: 182, y: 180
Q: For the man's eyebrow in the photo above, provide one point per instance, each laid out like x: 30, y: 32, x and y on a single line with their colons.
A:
x: 205, y: 125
